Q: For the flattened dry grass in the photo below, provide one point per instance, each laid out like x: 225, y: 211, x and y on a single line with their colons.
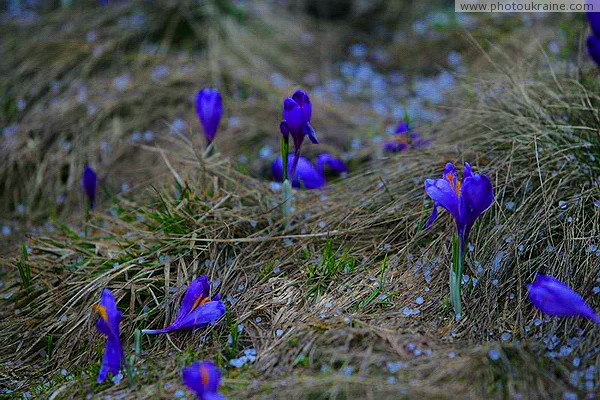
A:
x: 361, y: 242
x: 69, y: 73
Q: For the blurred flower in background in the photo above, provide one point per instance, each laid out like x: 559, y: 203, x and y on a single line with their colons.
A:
x: 204, y: 379
x: 209, y: 107
x: 89, y: 185
x: 307, y: 175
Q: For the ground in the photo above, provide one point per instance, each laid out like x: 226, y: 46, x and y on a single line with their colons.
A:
x: 348, y: 296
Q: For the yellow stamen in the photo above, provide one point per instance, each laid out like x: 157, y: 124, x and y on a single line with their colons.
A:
x: 102, y: 311
x: 204, y: 375
x: 201, y: 300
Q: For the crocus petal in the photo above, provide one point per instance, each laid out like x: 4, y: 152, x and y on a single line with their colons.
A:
x: 111, y: 361
x: 309, y: 131
x: 302, y: 99
x: 443, y: 194
x: 198, y: 290
x: 306, y: 175
x: 594, y: 20
x: 417, y: 142
x: 204, y: 379
x: 110, y: 316
x: 402, y: 127
x: 449, y: 169
x: 477, y: 196
x: 433, y: 216
x: 89, y: 185
x: 285, y: 129
x: 468, y: 172
x: 292, y: 114
x: 553, y: 297
x: 209, y: 106
x: 335, y: 164
x: 593, y: 45
x: 394, y: 146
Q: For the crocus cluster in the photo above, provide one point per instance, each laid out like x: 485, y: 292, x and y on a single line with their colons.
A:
x: 403, y: 139
x: 108, y: 325
x: 209, y: 107
x: 307, y: 175
x: 593, y: 41
x: 197, y: 310
x: 553, y: 297
x: 88, y: 182
x: 465, y: 200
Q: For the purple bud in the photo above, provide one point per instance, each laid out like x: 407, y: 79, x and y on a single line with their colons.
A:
x: 209, y: 107
x: 89, y: 185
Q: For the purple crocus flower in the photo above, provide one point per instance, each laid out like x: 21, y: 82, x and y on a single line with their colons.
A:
x: 402, y: 139
x: 297, y: 111
x: 593, y: 46
x: 553, y: 297
x: 307, y: 175
x: 108, y: 325
x: 465, y: 200
x: 398, y: 142
x: 209, y: 107
x: 204, y: 379
x: 197, y: 310
x: 89, y: 185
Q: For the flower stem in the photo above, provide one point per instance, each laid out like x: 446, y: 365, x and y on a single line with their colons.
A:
x: 295, y: 163
x: 287, y: 199
x: 285, y: 149
x: 287, y: 196
x: 456, y: 275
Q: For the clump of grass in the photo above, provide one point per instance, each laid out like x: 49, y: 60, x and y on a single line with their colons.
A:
x: 24, y: 268
x: 323, y: 273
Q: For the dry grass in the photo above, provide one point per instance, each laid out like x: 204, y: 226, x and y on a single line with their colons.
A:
x: 74, y: 113
x: 535, y: 134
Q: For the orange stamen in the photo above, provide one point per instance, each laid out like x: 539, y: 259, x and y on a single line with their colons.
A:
x: 102, y: 311
x: 456, y: 186
x: 201, y: 300
x: 204, y: 375
x: 400, y: 139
